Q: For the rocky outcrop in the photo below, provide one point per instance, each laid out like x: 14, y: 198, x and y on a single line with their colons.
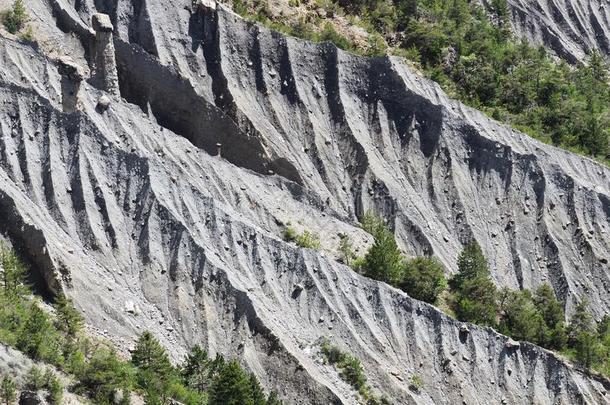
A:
x: 139, y: 222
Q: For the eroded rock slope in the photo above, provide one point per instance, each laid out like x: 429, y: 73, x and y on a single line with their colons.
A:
x: 370, y: 133
x: 571, y: 28
x: 126, y: 209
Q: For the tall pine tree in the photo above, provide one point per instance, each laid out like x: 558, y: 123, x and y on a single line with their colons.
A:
x: 155, y: 372
x: 231, y: 387
x: 474, y: 291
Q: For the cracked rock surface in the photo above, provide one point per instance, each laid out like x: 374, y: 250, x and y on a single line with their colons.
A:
x: 128, y: 210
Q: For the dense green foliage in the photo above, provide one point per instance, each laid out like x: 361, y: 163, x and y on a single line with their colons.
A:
x: 422, y: 278
x: 478, y: 61
x: 472, y: 54
x: 537, y: 318
x: 383, y: 261
x: 474, y: 293
x: 55, y: 337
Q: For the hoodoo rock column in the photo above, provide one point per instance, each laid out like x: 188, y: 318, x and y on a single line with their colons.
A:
x: 71, y: 77
x: 105, y: 72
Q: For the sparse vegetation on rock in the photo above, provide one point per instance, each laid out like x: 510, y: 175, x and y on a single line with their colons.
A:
x: 350, y: 369
x: 15, y: 18
x: 306, y: 239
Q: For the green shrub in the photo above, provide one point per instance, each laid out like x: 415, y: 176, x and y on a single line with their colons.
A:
x: 423, y: 279
x: 416, y: 383
x: 34, y: 380
x: 329, y: 34
x: 332, y: 354
x: 349, y: 366
x: 54, y: 387
x: 8, y: 390
x: 104, y: 375
x: 520, y: 318
x: 352, y: 371
x: 15, y: 18
x: 290, y: 234
x: 28, y: 35
x: 308, y: 240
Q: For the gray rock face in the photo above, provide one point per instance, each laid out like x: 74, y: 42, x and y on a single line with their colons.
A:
x: 128, y: 213
x: 364, y: 134
x: 571, y: 28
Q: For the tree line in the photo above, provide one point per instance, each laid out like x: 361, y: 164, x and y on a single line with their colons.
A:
x: 471, y: 52
x: 55, y: 337
x: 471, y: 296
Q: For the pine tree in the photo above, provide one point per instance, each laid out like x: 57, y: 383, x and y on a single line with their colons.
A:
x: 155, y: 372
x: 231, y: 387
x: 372, y: 223
x: 471, y: 264
x: 476, y: 301
x: 474, y: 291
x: 383, y: 261
x: 149, y: 355
x: 14, y: 273
x: 68, y: 320
x: 7, y: 390
x: 196, y: 369
x: 273, y: 399
x: 346, y: 250
x: 582, y: 336
x: 258, y: 396
x: 34, y: 333
x: 553, y: 315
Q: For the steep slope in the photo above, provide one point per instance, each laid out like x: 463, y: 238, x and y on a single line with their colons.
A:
x: 370, y: 133
x: 147, y: 231
x: 571, y: 28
